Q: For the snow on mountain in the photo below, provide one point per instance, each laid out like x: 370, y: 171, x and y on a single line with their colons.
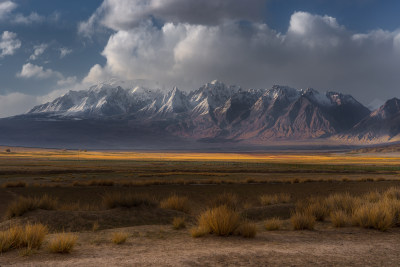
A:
x: 216, y: 110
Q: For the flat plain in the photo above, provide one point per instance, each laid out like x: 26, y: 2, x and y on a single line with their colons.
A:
x: 85, y: 189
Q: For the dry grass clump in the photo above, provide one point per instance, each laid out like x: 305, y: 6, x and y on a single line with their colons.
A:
x: 95, y: 226
x: 274, y: 199
x: 63, y: 243
x: 126, y: 200
x: 273, y: 224
x: 374, y: 215
x: 318, y: 209
x: 221, y: 220
x: 199, y: 231
x: 339, y: 218
x: 31, y: 236
x: 344, y: 202
x: 176, y: 202
x: 178, y: 223
x: 119, y: 237
x: 392, y: 193
x: 247, y: 230
x: 34, y: 235
x: 302, y: 221
x: 14, y: 184
x: 228, y: 199
x: 24, y: 204
x: 373, y: 196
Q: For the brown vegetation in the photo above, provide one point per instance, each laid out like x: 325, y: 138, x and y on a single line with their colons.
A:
x: 176, y: 202
x: 63, y: 243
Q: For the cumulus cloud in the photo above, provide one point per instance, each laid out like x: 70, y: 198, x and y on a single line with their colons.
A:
x: 316, y: 51
x: 37, y: 51
x: 16, y: 103
x: 30, y: 70
x: 126, y: 14
x: 31, y: 18
x: 6, y: 8
x: 9, y: 43
x: 64, y: 52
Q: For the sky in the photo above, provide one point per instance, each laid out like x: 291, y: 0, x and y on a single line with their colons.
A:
x: 48, y: 47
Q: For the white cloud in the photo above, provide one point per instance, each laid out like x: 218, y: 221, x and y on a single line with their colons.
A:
x: 64, y: 52
x: 6, y: 8
x: 37, y: 51
x: 67, y: 81
x: 315, y: 51
x: 9, y: 43
x: 125, y: 14
x: 27, y: 20
x: 30, y: 70
x: 16, y: 103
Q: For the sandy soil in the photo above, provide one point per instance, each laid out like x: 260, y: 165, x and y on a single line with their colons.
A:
x: 162, y: 246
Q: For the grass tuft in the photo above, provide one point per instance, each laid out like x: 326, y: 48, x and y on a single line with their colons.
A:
x: 119, y: 237
x: 199, y: 231
x: 374, y: 215
x: 176, y: 202
x: 247, y: 230
x: 302, y: 221
x: 24, y: 204
x: 267, y: 199
x: 221, y: 220
x: 273, y: 224
x: 228, y: 199
x: 339, y: 218
x: 63, y: 243
x: 178, y: 223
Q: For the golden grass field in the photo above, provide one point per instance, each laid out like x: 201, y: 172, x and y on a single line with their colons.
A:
x: 113, y: 208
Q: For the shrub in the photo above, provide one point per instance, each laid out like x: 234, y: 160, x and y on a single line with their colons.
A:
x: 302, y: 221
x: 176, y: 202
x: 228, y: 199
x: 34, y: 235
x: 199, y: 231
x: 318, y: 209
x: 247, y: 230
x: 221, y: 220
x: 14, y: 184
x: 25, y: 204
x: 126, y: 200
x: 119, y: 238
x: 339, y: 218
x: 178, y: 223
x: 344, y: 202
x: 273, y: 224
x: 374, y: 215
x: 274, y: 199
x: 63, y: 243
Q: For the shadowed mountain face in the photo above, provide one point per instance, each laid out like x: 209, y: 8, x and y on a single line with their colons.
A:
x: 382, y: 125
x: 108, y: 114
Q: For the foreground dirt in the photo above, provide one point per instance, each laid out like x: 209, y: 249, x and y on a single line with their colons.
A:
x: 162, y: 246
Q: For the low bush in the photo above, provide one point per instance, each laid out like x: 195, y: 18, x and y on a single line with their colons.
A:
x: 63, y: 243
x: 374, y: 215
x: 221, y: 220
x: 178, y: 223
x: 247, y: 230
x: 274, y: 199
x: 176, y: 202
x: 25, y: 204
x: 273, y: 224
x: 199, y: 231
x: 302, y: 221
x: 119, y: 237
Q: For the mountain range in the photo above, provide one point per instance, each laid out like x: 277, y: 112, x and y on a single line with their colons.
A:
x: 111, y: 116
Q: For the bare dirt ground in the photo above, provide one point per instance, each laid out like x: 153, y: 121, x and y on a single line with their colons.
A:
x: 162, y: 246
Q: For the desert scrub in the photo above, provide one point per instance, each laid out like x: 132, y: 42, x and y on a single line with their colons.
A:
x: 344, y: 202
x: 199, y: 231
x: 221, y: 220
x: 29, y: 236
x: 247, y: 230
x: 178, y: 223
x: 24, y: 204
x: 374, y: 215
x: 119, y: 237
x: 302, y: 221
x: 63, y: 243
x: 318, y: 209
x: 267, y: 199
x: 126, y: 200
x: 273, y: 224
x: 339, y: 218
x: 228, y: 199
x: 176, y: 202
